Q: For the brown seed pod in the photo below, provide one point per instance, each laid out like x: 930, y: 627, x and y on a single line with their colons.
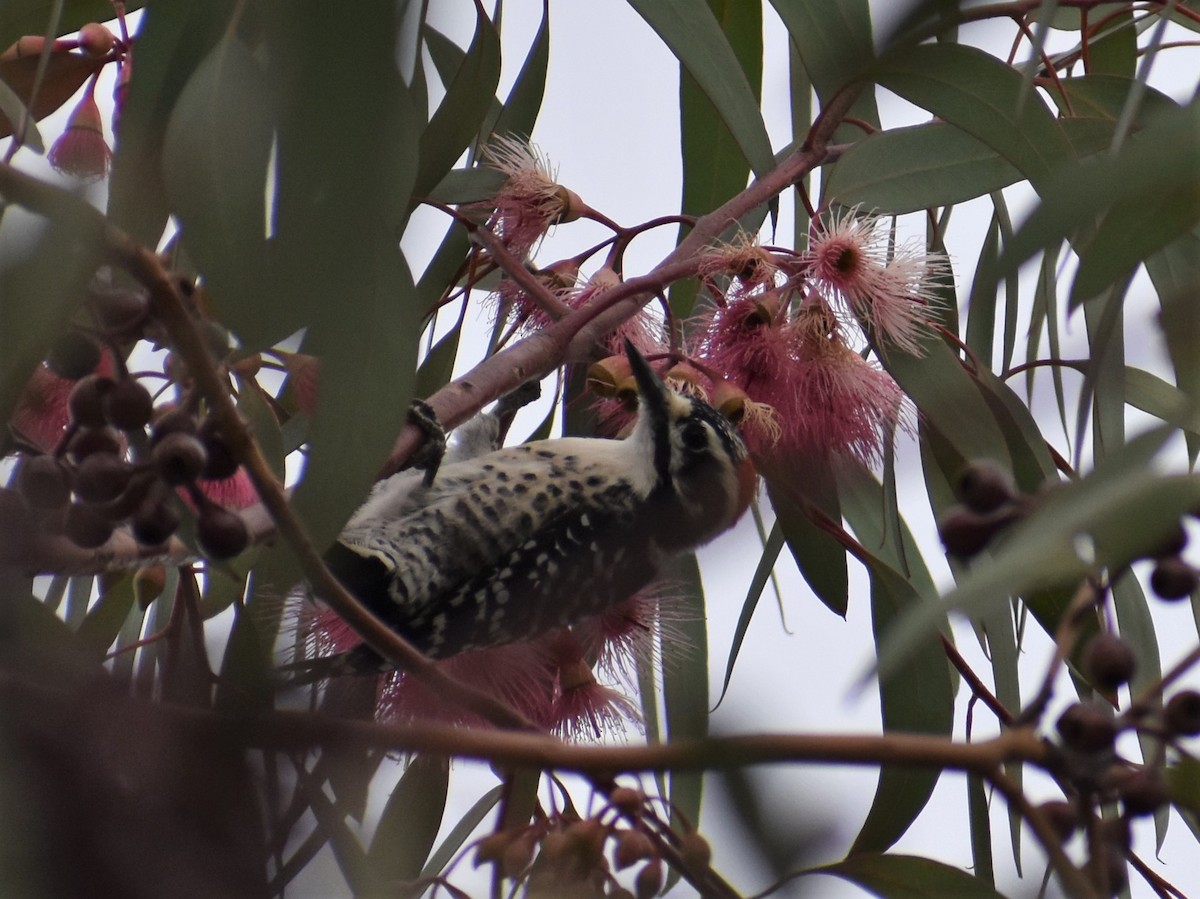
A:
x: 172, y: 420
x: 632, y: 846
x: 73, y: 355
x: 221, y: 534
x: 1062, y: 816
x: 1173, y: 578
x: 1143, y: 792
x: 128, y: 405
x: 43, y: 483
x: 85, y: 527
x: 86, y: 401
x: 1086, y: 729
x: 101, y: 478
x: 179, y: 457
x: 1109, y: 661
x: 221, y: 462
x: 984, y: 486
x: 87, y: 441
x: 155, y: 521
x: 1182, y: 714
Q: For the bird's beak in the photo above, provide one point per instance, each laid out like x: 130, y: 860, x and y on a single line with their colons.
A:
x: 652, y: 392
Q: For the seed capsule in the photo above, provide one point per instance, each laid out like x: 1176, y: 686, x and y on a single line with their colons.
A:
x: 128, y: 405
x: 85, y: 527
x: 1086, y: 729
x: 1173, y: 578
x: 86, y: 401
x: 42, y: 483
x: 984, y: 486
x: 73, y: 355
x: 1182, y: 713
x: 180, y: 458
x: 101, y: 478
x: 1109, y: 661
x: 221, y: 534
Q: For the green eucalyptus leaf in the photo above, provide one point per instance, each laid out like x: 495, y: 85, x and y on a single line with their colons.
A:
x: 909, y: 877
x: 691, y: 30
x: 982, y: 96
x: 215, y: 156
x: 410, y: 821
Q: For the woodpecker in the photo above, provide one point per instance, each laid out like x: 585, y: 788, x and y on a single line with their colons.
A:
x: 518, y: 541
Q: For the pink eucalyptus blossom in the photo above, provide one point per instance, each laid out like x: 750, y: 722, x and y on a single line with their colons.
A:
x: 531, y: 201
x: 890, y: 290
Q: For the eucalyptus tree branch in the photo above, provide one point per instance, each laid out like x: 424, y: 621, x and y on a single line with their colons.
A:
x: 573, y: 337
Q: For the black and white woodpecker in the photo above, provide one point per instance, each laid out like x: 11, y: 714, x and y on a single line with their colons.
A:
x: 518, y: 541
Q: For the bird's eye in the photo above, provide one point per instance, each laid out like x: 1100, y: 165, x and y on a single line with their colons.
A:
x: 695, y: 435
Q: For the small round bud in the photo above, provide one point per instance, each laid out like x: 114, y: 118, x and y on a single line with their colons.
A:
x: 221, y: 534
x: 128, y: 405
x: 42, y: 482
x: 1086, y: 729
x: 180, y: 458
x: 101, y: 478
x: 1062, y: 816
x: 1173, y: 578
x: 965, y: 533
x: 627, y: 800
x: 1143, y: 792
x: 172, y: 420
x: 96, y: 41
x: 154, y: 522
x: 1109, y: 661
x: 984, y: 486
x: 148, y: 584
x: 73, y: 355
x: 632, y: 846
x: 1182, y: 714
x: 221, y: 463
x: 85, y: 527
x: 86, y: 401
x: 91, y: 441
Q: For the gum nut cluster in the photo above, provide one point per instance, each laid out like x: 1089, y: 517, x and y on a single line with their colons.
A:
x: 89, y: 480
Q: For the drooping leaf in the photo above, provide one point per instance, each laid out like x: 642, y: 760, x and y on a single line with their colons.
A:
x: 215, y: 156
x: 685, y: 685
x: 468, y: 98
x: 410, y: 821
x: 524, y: 100
x: 172, y: 40
x: 982, y: 96
x: 692, y: 32
x: 922, y: 699
x: 909, y: 877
